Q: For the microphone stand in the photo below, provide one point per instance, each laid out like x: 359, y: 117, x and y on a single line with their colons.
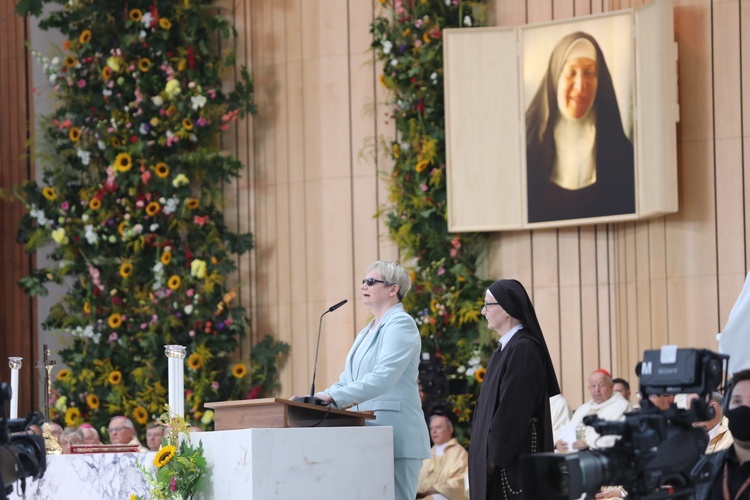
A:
x: 312, y: 399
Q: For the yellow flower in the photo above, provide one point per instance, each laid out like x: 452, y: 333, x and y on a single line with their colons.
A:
x: 107, y: 73
x: 72, y: 417
x: 85, y: 36
x: 383, y: 80
x: 239, y: 370
x: 174, y: 282
x: 140, y: 415
x: 126, y: 269
x: 164, y: 23
x: 207, y: 417
x: 93, y: 401
x: 70, y: 61
x: 396, y: 150
x: 74, y: 134
x: 59, y: 236
x: 166, y: 258
x: 426, y: 37
x: 164, y: 455
x: 153, y: 208
x: 479, y: 375
x: 49, y: 193
x: 136, y: 15
x: 422, y: 165
x: 198, y: 268
x: 180, y: 180
x: 87, y: 307
x: 115, y: 320
x: 406, y: 32
x: 123, y: 162
x: 133, y: 497
x: 121, y: 227
x: 95, y: 204
x: 115, y: 141
x: 162, y: 170
x: 187, y: 124
x: 63, y: 375
x: 115, y: 377
x: 195, y: 361
x: 193, y: 203
x: 144, y: 64
x: 381, y: 2
x: 172, y: 88
x: 114, y: 63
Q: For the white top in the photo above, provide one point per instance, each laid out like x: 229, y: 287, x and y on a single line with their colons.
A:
x: 509, y: 335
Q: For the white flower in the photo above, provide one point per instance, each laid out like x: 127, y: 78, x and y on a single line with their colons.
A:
x: 101, y: 145
x: 146, y: 19
x: 85, y: 156
x: 461, y: 369
x: 157, y: 100
x: 387, y: 46
x: 55, y: 61
x: 467, y: 20
x: 91, y: 235
x: 153, y: 227
x: 188, y: 309
x: 471, y: 371
x: 198, y: 102
x: 52, y: 77
x: 434, y: 77
x: 142, y: 34
x: 394, y: 62
x: 143, y: 129
x: 171, y: 206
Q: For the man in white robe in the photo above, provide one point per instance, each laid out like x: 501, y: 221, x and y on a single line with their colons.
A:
x: 604, y: 402
x: 560, y: 412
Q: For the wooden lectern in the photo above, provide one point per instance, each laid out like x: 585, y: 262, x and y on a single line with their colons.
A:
x: 274, y: 413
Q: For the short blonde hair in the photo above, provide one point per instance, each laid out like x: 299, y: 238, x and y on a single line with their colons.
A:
x: 393, y: 273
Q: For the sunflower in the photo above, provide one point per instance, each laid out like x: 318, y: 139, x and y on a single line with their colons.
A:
x: 74, y: 134
x: 95, y: 204
x: 165, y: 23
x: 195, y: 361
x: 193, y: 203
x: 115, y: 377
x: 166, y: 258
x: 85, y: 36
x: 136, y: 15
x: 161, y: 169
x: 140, y: 415
x: 126, y: 269
x: 174, y: 282
x: 70, y: 61
x: 73, y: 417
x: 107, y: 73
x: 49, y: 193
x: 187, y: 124
x: 239, y: 370
x: 63, y: 375
x: 121, y: 227
x: 422, y: 165
x: 164, y: 455
x: 93, y: 401
x: 153, y: 208
x: 115, y: 141
x: 115, y: 320
x: 144, y: 64
x: 479, y: 375
x: 123, y: 162
x: 426, y: 38
x: 87, y: 307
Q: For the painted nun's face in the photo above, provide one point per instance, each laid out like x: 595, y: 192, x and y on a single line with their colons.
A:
x: 576, y: 87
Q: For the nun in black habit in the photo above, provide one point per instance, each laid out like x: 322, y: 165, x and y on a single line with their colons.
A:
x: 579, y: 160
x: 512, y: 416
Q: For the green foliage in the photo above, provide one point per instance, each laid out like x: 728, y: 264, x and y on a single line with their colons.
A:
x: 131, y: 201
x: 448, y: 294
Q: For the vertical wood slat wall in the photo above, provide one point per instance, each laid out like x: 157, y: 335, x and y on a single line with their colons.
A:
x: 17, y: 325
x: 603, y: 293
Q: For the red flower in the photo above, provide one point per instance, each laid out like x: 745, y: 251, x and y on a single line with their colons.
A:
x: 255, y: 392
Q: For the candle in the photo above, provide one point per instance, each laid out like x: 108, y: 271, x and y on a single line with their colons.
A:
x: 176, y: 383
x: 15, y: 365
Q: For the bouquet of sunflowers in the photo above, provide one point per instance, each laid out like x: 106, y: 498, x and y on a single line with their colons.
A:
x: 179, y: 467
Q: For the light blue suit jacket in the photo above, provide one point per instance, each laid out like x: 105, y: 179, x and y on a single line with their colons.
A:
x: 382, y: 377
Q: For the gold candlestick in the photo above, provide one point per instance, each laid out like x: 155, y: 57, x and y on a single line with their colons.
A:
x: 51, y: 444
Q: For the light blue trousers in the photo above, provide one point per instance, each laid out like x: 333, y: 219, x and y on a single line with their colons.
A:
x: 406, y: 477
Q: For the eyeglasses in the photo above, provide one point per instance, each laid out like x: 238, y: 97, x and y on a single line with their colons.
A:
x: 488, y: 304
x: 372, y: 281
x: 115, y: 429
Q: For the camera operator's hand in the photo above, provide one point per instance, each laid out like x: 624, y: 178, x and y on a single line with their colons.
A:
x: 611, y: 493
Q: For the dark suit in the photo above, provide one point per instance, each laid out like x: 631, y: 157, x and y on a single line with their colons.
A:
x: 511, y: 413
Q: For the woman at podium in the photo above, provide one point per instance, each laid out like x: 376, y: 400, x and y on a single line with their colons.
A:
x: 381, y: 371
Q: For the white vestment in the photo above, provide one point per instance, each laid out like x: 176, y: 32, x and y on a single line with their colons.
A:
x: 614, y: 408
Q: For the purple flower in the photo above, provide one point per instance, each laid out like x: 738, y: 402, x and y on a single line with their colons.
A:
x: 173, y: 484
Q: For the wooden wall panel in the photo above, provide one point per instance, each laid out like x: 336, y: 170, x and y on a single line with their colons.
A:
x: 18, y: 330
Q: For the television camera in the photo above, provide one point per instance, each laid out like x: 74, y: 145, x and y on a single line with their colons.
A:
x: 22, y: 454
x: 657, y: 449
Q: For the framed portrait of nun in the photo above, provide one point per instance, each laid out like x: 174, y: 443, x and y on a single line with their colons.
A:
x: 578, y: 91
x: 566, y: 123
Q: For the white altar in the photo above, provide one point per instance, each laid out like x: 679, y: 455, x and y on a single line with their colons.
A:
x: 320, y: 463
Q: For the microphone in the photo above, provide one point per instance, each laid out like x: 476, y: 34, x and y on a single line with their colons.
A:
x: 311, y: 399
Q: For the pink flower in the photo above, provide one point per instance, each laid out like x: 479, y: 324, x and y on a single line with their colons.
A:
x: 190, y: 292
x: 145, y: 176
x: 81, y: 83
x: 191, y: 333
x: 424, y: 187
x: 113, y: 337
x: 201, y: 220
x: 64, y: 205
x: 440, y: 271
x: 173, y: 484
x: 215, y: 385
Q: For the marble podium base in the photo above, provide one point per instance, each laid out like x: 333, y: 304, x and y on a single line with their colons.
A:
x: 325, y: 463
